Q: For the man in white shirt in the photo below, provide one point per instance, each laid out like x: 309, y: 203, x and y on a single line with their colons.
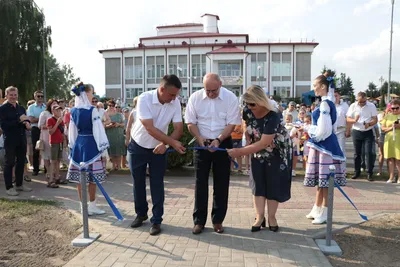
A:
x: 148, y: 144
x: 362, y: 114
x: 341, y: 123
x: 291, y: 110
x: 211, y: 115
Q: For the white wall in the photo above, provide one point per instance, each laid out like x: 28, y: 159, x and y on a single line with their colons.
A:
x: 178, y: 30
x: 195, y: 40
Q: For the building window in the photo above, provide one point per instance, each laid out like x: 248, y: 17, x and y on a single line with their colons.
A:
x: 138, y: 68
x: 281, y: 69
x: 178, y: 66
x: 155, y: 68
x: 131, y: 93
x: 194, y: 89
x: 184, y: 92
x: 229, y: 69
x: 282, y: 91
x: 258, y: 67
x: 198, y: 67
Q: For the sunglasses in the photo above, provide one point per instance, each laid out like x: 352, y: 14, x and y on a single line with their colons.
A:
x: 396, y: 108
x: 39, y: 96
x: 94, y: 101
x: 250, y: 104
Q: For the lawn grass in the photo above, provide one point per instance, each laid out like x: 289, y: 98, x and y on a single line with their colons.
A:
x: 18, y: 208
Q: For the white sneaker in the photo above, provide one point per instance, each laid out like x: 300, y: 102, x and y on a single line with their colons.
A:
x: 94, y: 210
x: 314, y: 212
x: 378, y: 174
x: 23, y: 188
x: 12, y: 192
x: 293, y: 173
x: 323, y: 216
x: 390, y: 181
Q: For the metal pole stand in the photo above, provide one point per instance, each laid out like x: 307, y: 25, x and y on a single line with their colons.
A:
x: 86, y: 238
x: 329, y: 246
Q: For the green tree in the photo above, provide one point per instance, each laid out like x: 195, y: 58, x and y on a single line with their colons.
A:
x: 395, y: 88
x: 372, y: 90
x: 59, y: 78
x: 22, y: 27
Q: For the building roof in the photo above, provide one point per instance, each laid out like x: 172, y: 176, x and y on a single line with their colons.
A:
x: 180, y: 25
x: 202, y: 45
x: 207, y: 14
x: 228, y: 49
x: 193, y: 35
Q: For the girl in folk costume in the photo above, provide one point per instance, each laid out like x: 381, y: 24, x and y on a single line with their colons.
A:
x: 87, y: 141
x: 324, y: 149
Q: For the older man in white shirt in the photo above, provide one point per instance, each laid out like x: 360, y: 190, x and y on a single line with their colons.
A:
x: 211, y: 115
x: 148, y: 144
x: 362, y: 114
x: 341, y: 123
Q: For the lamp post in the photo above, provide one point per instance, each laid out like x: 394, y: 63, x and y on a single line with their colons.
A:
x: 390, y: 51
x: 43, y: 51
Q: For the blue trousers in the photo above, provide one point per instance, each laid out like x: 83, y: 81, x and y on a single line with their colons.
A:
x: 139, y: 158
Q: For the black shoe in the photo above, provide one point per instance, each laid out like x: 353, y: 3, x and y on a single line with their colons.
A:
x: 369, y: 177
x: 139, y: 221
x: 35, y: 173
x: 258, y: 228
x: 355, y: 176
x: 273, y: 228
x: 155, y: 229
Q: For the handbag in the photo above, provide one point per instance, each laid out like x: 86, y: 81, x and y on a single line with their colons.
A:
x: 39, y: 144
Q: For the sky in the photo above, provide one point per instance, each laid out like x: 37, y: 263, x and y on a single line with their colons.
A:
x: 353, y: 35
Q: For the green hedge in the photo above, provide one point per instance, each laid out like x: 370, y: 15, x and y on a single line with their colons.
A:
x: 176, y: 160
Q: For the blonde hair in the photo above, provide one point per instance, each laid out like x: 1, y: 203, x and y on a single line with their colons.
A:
x: 289, y: 116
x: 255, y: 94
x: 11, y: 88
x: 135, y: 101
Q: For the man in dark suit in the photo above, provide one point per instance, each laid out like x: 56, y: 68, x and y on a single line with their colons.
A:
x: 14, y: 122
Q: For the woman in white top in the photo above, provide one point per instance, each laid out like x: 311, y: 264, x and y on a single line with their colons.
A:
x: 44, y: 135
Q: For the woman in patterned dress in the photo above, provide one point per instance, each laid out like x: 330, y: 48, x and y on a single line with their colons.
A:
x: 271, y: 160
x: 87, y: 140
x: 324, y: 149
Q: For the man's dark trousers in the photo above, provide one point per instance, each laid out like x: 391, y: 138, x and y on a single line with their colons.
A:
x: 15, y: 155
x: 364, y: 140
x: 220, y: 164
x: 139, y: 157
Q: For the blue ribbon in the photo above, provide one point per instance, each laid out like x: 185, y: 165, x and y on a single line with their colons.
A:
x: 113, y: 207
x: 207, y: 148
x: 365, y: 218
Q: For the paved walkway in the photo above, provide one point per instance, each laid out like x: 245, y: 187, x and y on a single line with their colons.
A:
x: 121, y: 245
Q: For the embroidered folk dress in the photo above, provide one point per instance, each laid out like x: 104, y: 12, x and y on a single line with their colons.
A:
x: 271, y: 168
x: 87, y: 141
x: 324, y: 147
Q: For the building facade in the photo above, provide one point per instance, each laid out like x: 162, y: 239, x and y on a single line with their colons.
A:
x: 191, y: 50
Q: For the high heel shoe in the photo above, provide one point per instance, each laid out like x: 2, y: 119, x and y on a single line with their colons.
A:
x: 258, y: 228
x: 273, y: 228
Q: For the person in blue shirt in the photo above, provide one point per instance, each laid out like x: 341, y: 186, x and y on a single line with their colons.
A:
x: 33, y: 113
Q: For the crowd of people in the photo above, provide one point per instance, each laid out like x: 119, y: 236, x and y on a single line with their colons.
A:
x: 264, y: 138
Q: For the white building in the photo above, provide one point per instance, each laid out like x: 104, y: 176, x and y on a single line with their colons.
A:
x: 192, y: 49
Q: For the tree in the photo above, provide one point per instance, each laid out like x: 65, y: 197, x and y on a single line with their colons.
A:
x: 325, y: 69
x: 59, y: 78
x: 395, y: 88
x: 21, y: 46
x: 372, y: 90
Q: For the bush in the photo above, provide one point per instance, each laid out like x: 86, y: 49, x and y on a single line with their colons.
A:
x: 176, y: 160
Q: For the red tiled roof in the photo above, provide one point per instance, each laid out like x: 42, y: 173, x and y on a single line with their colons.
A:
x: 210, y: 15
x: 193, y: 34
x: 228, y: 50
x: 180, y: 25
